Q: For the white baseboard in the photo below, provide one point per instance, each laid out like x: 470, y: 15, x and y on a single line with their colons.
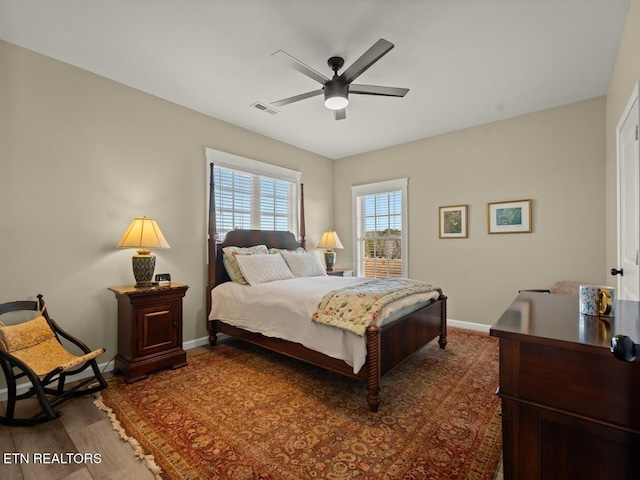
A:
x: 198, y: 342
x: 480, y: 327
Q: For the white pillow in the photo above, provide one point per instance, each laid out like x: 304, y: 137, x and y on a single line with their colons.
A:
x: 229, y: 260
x: 263, y: 268
x: 304, y: 264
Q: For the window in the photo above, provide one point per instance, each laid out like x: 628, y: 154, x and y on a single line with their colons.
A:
x: 380, y: 216
x: 253, y: 195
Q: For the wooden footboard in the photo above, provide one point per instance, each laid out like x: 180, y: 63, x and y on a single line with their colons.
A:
x: 387, y: 346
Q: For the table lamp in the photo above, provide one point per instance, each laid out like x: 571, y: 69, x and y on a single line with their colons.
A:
x: 329, y: 241
x: 143, y: 234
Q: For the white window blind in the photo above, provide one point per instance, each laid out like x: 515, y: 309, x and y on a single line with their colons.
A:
x: 380, y: 243
x: 253, y: 195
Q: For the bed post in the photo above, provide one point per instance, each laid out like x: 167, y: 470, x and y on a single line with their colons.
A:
x: 373, y: 367
x: 213, y: 255
x: 442, y: 341
x: 303, y: 229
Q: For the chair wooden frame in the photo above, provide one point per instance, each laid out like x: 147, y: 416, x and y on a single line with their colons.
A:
x: 42, y: 387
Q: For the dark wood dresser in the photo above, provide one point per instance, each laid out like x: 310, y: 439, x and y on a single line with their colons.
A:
x: 570, y: 410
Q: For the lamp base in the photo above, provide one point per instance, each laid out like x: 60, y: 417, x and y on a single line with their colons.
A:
x: 330, y: 260
x: 143, y: 267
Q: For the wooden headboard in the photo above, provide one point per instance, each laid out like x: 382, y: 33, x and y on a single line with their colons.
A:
x: 243, y: 238
x: 249, y: 238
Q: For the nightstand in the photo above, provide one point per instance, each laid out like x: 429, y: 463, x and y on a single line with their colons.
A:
x: 341, y: 272
x: 149, y: 330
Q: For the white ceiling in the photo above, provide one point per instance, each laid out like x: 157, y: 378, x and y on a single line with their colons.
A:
x: 466, y: 62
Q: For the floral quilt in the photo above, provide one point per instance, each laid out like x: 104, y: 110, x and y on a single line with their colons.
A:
x: 356, y: 307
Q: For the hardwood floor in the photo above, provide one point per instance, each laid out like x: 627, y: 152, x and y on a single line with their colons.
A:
x: 84, y: 429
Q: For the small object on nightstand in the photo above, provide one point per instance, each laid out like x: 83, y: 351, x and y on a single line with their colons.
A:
x: 340, y: 272
x: 149, y: 329
x: 163, y: 279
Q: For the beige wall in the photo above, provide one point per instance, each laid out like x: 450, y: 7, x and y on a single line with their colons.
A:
x: 625, y: 74
x: 80, y: 156
x: 554, y: 157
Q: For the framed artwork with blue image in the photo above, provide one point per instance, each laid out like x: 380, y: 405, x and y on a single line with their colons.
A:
x: 510, y: 217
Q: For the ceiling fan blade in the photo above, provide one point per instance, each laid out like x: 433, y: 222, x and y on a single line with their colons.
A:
x: 367, y: 59
x: 296, y: 98
x: 378, y: 90
x: 340, y: 114
x: 301, y: 67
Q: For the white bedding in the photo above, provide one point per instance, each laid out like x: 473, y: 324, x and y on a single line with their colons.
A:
x: 283, y: 309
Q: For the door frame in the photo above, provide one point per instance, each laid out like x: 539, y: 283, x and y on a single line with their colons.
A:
x: 632, y: 99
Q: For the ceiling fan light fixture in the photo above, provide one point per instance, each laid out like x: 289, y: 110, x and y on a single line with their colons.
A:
x: 336, y: 102
x: 336, y: 95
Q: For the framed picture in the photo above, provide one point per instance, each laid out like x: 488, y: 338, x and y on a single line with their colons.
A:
x: 453, y: 221
x: 510, y: 217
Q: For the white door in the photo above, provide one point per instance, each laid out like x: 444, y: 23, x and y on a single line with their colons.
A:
x: 629, y: 202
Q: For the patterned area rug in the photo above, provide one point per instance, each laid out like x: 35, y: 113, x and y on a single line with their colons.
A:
x: 239, y: 412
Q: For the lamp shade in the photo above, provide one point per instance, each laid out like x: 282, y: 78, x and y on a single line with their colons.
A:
x: 330, y: 240
x: 143, y: 233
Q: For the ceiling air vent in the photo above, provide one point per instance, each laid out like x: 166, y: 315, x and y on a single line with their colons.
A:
x: 265, y: 108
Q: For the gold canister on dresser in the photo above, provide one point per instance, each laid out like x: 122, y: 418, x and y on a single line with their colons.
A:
x: 597, y: 300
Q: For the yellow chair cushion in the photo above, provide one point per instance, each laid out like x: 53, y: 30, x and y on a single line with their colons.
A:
x: 35, y: 344
x: 25, y: 335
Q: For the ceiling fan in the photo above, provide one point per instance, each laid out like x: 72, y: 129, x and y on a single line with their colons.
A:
x: 337, y: 89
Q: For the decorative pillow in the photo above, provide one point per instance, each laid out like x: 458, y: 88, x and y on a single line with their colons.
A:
x: 25, y: 335
x: 304, y: 264
x: 232, y: 253
x: 263, y: 268
x: 280, y: 250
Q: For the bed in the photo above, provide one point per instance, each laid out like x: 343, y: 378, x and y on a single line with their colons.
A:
x: 385, y: 346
